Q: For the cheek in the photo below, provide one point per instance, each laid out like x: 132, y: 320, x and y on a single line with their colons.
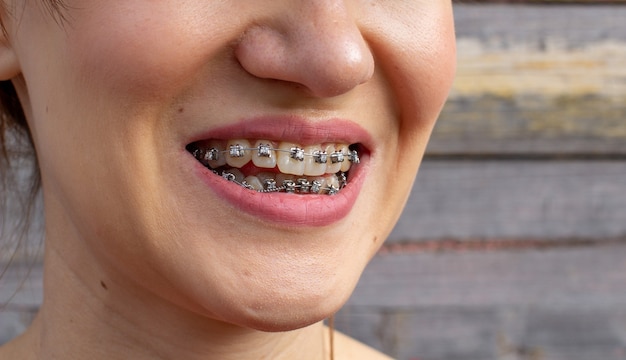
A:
x: 414, y: 44
x: 143, y: 49
x: 430, y: 58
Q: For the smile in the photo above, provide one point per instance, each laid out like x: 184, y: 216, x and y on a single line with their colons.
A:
x: 268, y: 167
x: 285, y: 170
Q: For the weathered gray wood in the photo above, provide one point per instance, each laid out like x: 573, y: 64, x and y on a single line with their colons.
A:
x: 537, y: 79
x: 576, y: 276
x: 502, y: 25
x: 581, y: 125
x: 515, y: 199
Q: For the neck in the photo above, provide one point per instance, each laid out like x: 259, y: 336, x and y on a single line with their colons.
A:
x: 108, y: 320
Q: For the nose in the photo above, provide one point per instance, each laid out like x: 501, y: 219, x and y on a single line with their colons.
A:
x: 312, y: 43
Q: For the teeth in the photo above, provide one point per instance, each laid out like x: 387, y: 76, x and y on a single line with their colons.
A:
x: 254, y: 183
x: 331, y: 184
x: 296, y: 153
x: 264, y: 176
x: 317, y: 185
x: 233, y: 175
x: 291, y: 159
x: 237, y: 154
x: 264, y: 156
x: 332, y: 167
x: 327, y: 184
x: 337, y: 157
x: 354, y: 157
x: 343, y: 179
x: 343, y: 159
x: 213, y: 145
x: 305, y: 185
x: 315, y: 165
x: 314, y: 169
x: 270, y: 185
x: 280, y: 178
x: 290, y: 186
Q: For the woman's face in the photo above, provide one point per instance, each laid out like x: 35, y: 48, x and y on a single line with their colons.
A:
x: 126, y: 99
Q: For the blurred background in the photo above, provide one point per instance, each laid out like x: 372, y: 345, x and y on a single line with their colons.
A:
x: 513, y: 243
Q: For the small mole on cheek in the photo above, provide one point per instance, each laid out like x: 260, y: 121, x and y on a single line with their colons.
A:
x: 375, y: 239
x: 181, y: 110
x: 104, y: 286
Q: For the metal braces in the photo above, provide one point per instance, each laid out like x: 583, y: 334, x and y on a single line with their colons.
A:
x: 264, y: 150
x: 300, y: 186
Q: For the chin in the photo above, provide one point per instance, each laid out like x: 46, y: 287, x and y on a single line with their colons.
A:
x: 290, y: 316
x: 285, y: 309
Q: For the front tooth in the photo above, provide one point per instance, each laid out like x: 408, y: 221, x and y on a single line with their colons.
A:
x: 345, y: 165
x: 221, y: 157
x: 264, y: 156
x: 312, y: 164
x: 236, y: 156
x: 288, y: 159
x: 254, y: 182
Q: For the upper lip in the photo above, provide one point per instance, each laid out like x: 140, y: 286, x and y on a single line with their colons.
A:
x: 292, y: 129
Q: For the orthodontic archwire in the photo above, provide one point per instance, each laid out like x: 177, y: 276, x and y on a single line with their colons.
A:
x: 300, y: 186
x: 264, y: 150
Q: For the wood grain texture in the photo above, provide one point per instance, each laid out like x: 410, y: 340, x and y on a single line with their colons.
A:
x: 537, y: 80
x: 522, y: 199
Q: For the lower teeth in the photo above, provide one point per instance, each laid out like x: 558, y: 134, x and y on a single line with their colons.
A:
x: 299, y: 186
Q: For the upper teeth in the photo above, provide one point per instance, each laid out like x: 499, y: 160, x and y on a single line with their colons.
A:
x: 290, y: 158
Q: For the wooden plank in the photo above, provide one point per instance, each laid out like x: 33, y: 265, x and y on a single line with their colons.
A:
x: 574, y: 126
x: 538, y: 80
x: 575, y: 276
x: 491, y: 199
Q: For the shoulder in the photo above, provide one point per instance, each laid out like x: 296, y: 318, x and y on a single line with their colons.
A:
x: 346, y: 348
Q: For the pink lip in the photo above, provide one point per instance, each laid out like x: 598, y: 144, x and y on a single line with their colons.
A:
x: 282, y: 208
x: 293, y: 129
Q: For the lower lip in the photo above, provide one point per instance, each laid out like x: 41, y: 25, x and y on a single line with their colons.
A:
x: 288, y: 209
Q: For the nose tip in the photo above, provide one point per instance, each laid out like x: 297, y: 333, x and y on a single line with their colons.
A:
x: 324, y: 53
x: 332, y: 72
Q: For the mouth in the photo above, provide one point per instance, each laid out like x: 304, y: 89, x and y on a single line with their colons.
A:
x: 267, y: 166
x: 285, y: 170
